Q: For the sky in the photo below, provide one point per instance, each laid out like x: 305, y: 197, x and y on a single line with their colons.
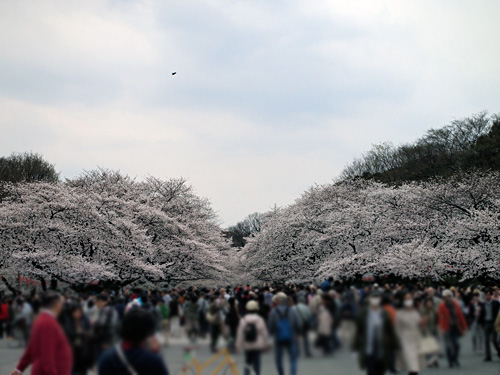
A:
x: 270, y: 97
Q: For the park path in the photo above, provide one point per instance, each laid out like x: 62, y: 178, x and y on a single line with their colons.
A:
x: 342, y: 363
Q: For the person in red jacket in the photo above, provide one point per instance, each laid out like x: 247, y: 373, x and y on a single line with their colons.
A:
x: 4, y: 316
x: 452, y: 324
x: 48, y: 349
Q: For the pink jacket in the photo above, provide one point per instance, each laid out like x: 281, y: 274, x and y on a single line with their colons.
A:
x: 262, y: 342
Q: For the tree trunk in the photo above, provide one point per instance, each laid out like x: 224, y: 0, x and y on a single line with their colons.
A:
x: 9, y: 286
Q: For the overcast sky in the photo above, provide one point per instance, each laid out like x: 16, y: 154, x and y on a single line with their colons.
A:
x: 270, y: 96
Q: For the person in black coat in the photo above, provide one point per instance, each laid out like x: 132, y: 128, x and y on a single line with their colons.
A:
x: 488, y: 315
x: 77, y: 328
x: 232, y: 321
x: 138, y: 350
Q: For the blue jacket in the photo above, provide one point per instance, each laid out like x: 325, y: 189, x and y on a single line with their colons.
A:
x: 325, y: 285
x: 292, y: 316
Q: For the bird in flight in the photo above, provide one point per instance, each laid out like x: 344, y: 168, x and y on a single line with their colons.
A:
x: 174, y: 73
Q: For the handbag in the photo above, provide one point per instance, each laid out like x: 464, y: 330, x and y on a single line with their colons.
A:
x: 210, y: 317
x: 429, y: 345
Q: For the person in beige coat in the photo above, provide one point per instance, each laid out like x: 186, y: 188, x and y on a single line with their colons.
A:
x: 252, y: 337
x: 497, y: 323
x: 325, y: 325
x: 408, y: 324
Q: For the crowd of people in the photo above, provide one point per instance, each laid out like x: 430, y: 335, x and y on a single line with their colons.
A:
x: 391, y: 327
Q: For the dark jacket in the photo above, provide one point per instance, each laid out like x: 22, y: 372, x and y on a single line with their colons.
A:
x: 390, y: 339
x: 495, y: 307
x: 142, y: 360
x: 472, y: 313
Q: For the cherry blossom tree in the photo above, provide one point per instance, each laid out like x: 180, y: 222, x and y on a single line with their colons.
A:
x: 435, y: 229
x: 106, y: 226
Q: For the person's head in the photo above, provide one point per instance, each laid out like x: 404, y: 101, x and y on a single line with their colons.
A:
x: 429, y: 303
x: 447, y: 295
x: 52, y: 301
x: 386, y: 299
x: 137, y: 326
x: 75, y: 311
x: 330, y: 279
x: 475, y: 297
x: 408, y: 301
x: 487, y: 295
x: 326, y: 300
x: 101, y: 300
x: 495, y: 291
x: 430, y: 292
x: 281, y: 298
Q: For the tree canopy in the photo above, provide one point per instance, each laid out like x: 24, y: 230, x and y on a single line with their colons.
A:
x: 463, y: 145
x: 105, y: 226
x: 27, y: 167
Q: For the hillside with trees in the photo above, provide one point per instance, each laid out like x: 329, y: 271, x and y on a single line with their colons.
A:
x: 468, y: 144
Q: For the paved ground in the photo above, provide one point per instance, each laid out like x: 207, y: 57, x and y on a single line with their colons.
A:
x: 343, y: 363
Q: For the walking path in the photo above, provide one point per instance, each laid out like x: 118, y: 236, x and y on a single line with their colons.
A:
x: 342, y: 363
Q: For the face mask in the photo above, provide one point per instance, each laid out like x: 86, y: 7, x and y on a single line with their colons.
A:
x: 375, y: 301
x: 408, y: 303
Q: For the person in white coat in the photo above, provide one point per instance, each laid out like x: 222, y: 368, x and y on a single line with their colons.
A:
x: 252, y: 337
x: 408, y: 322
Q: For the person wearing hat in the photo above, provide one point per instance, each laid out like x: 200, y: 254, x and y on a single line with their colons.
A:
x: 376, y: 339
x: 452, y: 324
x: 252, y: 337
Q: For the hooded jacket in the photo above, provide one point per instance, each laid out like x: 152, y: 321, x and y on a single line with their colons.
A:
x: 262, y: 341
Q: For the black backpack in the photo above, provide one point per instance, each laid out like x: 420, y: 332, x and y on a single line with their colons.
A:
x: 250, y: 333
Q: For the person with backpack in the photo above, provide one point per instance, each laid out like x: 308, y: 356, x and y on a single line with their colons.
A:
x: 252, y: 337
x: 284, y: 325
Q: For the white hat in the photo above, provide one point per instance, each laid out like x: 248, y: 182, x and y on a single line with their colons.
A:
x: 252, y: 306
x: 447, y: 293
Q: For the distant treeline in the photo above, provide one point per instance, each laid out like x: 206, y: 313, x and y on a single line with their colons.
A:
x: 463, y: 145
